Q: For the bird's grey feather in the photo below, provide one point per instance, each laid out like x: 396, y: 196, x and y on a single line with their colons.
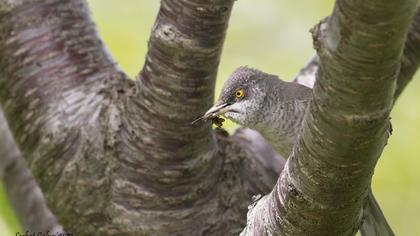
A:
x: 272, y: 106
x: 374, y: 223
x: 277, y: 109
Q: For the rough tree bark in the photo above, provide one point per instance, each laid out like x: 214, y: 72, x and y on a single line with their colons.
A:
x: 21, y: 188
x: 409, y: 62
x: 324, y: 184
x: 114, y: 157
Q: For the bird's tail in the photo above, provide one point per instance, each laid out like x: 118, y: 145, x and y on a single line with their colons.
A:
x: 374, y: 223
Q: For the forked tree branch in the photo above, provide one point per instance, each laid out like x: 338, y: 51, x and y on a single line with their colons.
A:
x: 123, y: 159
x: 104, y: 155
x: 324, y: 184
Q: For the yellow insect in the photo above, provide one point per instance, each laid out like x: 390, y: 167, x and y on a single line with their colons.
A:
x: 218, y: 121
x: 215, y: 120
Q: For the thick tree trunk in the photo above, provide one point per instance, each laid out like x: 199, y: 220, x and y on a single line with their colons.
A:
x: 324, y: 185
x: 117, y: 157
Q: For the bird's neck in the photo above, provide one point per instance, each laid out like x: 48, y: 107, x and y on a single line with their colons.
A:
x: 280, y: 123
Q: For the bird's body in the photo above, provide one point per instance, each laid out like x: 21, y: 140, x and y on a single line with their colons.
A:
x: 269, y: 105
x: 282, y: 115
x: 277, y: 109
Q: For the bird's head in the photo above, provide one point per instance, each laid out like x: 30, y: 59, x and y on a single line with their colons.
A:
x: 242, y: 97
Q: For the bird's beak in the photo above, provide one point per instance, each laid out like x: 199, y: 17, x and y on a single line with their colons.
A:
x: 216, y: 110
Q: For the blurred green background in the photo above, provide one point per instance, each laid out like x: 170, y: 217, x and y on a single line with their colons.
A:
x: 272, y: 35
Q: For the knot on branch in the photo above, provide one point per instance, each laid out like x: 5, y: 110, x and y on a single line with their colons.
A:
x: 165, y: 32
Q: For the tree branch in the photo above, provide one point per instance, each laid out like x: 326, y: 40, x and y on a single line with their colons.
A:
x: 325, y: 181
x: 120, y: 159
x: 52, y: 63
x: 22, y: 190
x: 117, y: 160
x: 262, y: 165
x: 58, y: 87
x: 410, y: 60
x: 175, y: 86
x: 411, y: 57
x: 177, y: 82
x: 307, y: 75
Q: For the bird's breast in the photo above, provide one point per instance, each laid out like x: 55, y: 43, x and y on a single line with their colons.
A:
x: 282, y: 126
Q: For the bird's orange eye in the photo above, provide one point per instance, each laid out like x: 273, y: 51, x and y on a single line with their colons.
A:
x: 239, y: 93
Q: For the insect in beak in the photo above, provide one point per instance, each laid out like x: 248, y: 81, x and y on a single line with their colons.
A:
x: 213, y: 114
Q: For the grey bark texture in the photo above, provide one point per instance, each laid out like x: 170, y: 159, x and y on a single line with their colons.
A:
x: 21, y: 188
x: 117, y: 157
x: 324, y: 184
x: 409, y: 62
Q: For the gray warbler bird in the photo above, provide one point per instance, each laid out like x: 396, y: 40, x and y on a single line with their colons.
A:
x: 276, y: 109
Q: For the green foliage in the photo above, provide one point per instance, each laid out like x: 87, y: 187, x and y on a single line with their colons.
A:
x: 273, y: 36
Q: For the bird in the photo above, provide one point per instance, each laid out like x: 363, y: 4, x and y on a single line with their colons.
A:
x: 276, y: 109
